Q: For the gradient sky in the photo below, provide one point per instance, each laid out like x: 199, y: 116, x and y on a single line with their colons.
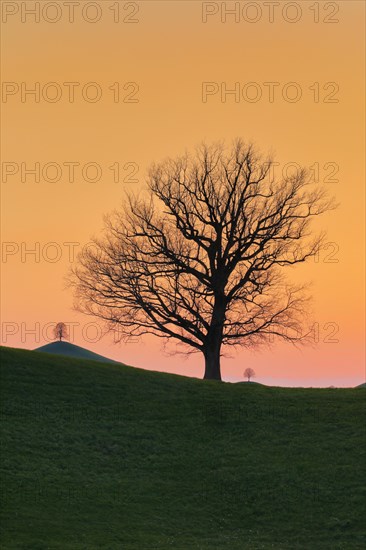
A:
x: 169, y: 53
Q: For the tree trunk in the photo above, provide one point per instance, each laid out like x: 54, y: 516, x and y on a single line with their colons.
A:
x: 212, y: 349
x: 212, y: 366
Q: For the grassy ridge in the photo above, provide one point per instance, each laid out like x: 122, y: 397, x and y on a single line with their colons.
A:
x: 98, y: 456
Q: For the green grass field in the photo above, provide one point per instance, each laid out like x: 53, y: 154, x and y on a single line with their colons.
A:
x: 103, y: 456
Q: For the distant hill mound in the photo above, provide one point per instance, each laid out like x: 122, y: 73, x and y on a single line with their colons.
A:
x: 362, y: 385
x: 70, y: 350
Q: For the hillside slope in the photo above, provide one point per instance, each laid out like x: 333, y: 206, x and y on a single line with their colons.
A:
x: 102, y: 456
x: 70, y: 350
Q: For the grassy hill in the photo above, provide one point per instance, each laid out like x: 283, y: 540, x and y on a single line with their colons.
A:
x: 103, y: 456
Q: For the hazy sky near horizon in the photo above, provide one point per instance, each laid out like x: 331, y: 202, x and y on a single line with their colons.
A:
x: 120, y: 85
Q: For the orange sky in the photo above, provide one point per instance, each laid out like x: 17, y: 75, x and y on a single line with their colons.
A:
x: 167, y: 56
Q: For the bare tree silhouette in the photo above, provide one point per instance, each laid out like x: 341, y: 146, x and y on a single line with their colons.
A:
x: 249, y: 373
x: 201, y: 259
x: 60, y: 331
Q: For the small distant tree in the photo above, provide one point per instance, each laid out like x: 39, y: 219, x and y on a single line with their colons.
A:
x: 248, y: 373
x: 60, y: 331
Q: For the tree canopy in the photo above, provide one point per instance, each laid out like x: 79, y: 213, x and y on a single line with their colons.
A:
x: 201, y: 260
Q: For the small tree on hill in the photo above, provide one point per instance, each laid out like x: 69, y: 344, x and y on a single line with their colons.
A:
x: 60, y: 331
x: 249, y: 373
